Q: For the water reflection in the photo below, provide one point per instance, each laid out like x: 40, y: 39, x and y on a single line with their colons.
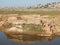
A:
x: 29, y: 38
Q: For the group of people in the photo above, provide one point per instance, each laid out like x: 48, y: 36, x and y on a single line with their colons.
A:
x: 48, y: 25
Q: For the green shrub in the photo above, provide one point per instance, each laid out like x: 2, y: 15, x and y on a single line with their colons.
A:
x: 32, y: 27
x: 7, y: 25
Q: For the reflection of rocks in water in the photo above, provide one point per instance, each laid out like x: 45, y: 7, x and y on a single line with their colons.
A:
x: 28, y: 38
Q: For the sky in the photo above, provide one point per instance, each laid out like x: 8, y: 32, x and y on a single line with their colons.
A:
x: 23, y: 3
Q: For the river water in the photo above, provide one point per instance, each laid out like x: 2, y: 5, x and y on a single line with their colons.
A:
x: 4, y: 40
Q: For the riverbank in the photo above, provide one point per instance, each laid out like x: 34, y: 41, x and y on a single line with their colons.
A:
x: 44, y: 22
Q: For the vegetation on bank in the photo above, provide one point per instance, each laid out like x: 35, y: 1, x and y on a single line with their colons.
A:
x: 25, y: 27
x: 32, y: 27
x: 5, y: 26
x: 35, y: 11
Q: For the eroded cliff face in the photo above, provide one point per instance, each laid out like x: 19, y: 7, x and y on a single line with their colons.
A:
x: 33, y: 23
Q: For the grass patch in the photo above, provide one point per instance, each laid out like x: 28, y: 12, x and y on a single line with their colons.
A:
x: 32, y: 27
x: 40, y: 11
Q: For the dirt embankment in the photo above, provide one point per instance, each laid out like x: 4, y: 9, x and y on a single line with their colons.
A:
x: 35, y: 19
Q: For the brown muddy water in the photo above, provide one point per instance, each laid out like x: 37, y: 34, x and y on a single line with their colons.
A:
x: 28, y: 40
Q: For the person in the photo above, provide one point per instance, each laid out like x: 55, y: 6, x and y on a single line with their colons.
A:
x: 52, y: 27
x: 42, y: 23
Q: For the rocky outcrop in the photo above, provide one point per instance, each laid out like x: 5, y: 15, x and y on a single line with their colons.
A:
x: 31, y: 23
